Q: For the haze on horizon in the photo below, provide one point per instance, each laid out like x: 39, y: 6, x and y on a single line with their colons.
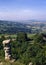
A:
x: 22, y: 9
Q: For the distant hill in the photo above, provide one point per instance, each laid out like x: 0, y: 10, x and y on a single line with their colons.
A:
x: 28, y: 26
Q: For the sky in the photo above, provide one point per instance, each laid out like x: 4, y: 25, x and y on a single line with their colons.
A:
x: 22, y: 9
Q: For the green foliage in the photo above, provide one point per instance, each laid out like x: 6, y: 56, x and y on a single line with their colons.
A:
x: 39, y: 39
x: 14, y: 63
x: 3, y: 37
x: 25, y: 52
x: 21, y: 37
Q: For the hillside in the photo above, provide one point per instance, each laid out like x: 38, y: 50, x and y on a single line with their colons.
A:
x: 30, y: 48
x: 19, y: 26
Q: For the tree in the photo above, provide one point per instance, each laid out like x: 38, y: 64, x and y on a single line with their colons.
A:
x: 39, y: 39
x: 21, y: 37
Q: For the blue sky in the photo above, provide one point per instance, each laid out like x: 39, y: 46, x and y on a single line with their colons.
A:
x: 22, y: 9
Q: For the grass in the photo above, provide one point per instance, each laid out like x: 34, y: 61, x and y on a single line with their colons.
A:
x: 15, y: 35
x: 31, y: 36
x: 14, y: 63
x: 9, y: 35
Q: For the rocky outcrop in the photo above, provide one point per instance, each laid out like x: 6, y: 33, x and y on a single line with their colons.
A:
x: 7, y: 49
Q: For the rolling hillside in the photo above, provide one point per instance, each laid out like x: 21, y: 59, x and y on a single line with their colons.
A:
x: 29, y: 27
